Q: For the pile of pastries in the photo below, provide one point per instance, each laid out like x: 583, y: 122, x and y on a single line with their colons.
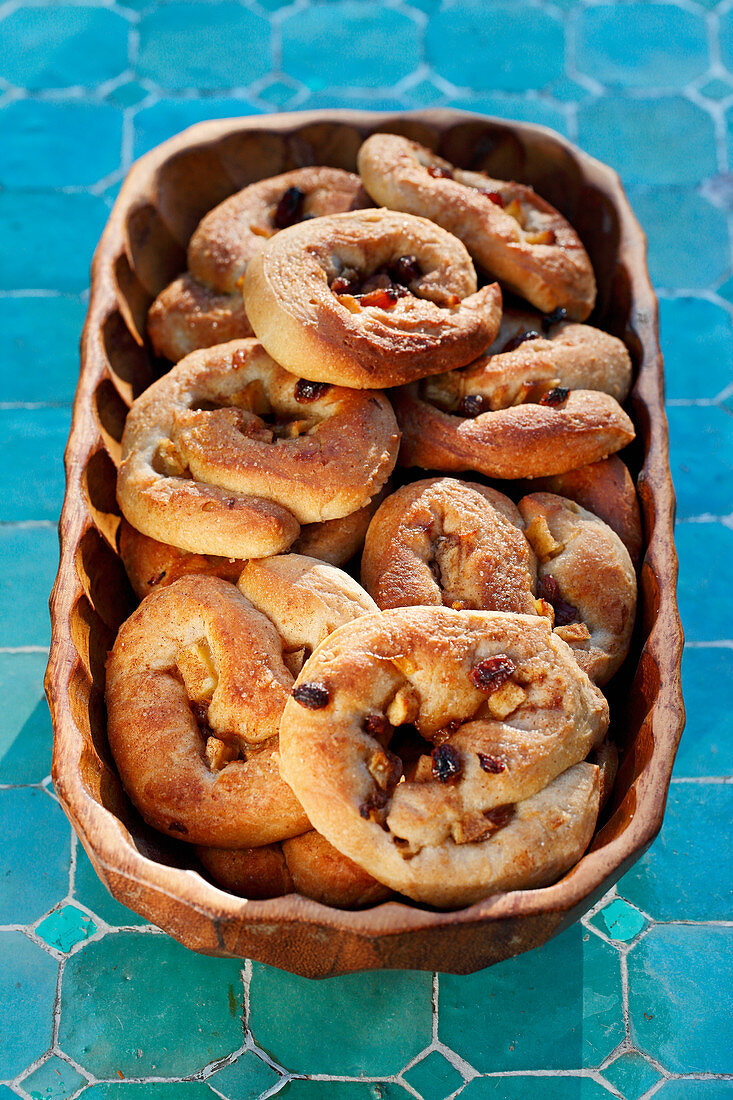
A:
x: 385, y: 376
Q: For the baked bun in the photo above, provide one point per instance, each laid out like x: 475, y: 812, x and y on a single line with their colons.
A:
x: 369, y: 299
x: 513, y: 233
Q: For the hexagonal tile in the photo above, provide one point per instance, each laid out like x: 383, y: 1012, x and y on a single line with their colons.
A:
x: 66, y: 927
x: 59, y: 144
x: 687, y: 236
x: 695, y: 331
x: 632, y: 1075
x: 150, y: 1090
x: 685, y: 1089
x: 680, y: 878
x: 190, y: 45
x: 78, y: 220
x: 575, y: 975
x: 41, y: 347
x: 707, y: 743
x: 434, y: 1077
x: 513, y: 106
x: 25, y: 724
x: 32, y: 438
x: 643, y: 44
x: 54, y: 1080
x: 246, y: 1078
x: 349, y: 44
x: 167, y: 117
x: 347, y: 1090
x: 32, y: 881
x: 371, y: 1023
x: 61, y: 45
x: 671, y: 993
x: 159, y: 1010
x: 474, y: 45
x: 704, y: 592
x: 619, y: 920
x: 28, y: 562
x: 515, y: 1087
x: 27, y: 990
x: 701, y: 458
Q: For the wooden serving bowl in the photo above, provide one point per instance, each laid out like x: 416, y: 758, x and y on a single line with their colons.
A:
x: 141, y: 250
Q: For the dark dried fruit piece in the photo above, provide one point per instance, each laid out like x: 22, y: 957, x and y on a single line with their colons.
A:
x: 384, y: 298
x: 178, y: 827
x: 554, y: 318
x: 156, y: 580
x: 374, y: 802
x: 491, y: 764
x: 290, y: 208
x: 439, y: 173
x: 447, y: 763
x: 404, y: 270
x: 342, y: 286
x: 306, y: 391
x: 565, y: 613
x: 311, y: 695
x: 200, y: 712
x: 495, y: 197
x: 500, y: 816
x: 557, y: 396
x: 473, y: 404
x: 517, y: 341
x: 376, y: 725
x: 490, y: 674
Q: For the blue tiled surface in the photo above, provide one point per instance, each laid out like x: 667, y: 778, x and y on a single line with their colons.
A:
x: 634, y: 1001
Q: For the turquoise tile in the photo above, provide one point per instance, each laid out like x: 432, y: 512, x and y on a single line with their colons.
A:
x: 41, y: 347
x: 372, y: 1023
x: 143, y: 1005
x: 351, y: 100
x: 568, y: 91
x: 33, y: 879
x: 725, y: 22
x: 703, y: 591
x: 65, y: 928
x: 245, y: 1079
x: 534, y: 1088
x: 32, y: 484
x: 707, y: 743
x: 681, y: 878
x: 127, y: 94
x: 152, y: 1090
x: 695, y: 1090
x: 701, y: 459
x: 681, y: 997
x: 54, y: 1080
x: 28, y: 563
x: 32, y: 258
x: 169, y: 116
x: 59, y: 144
x: 27, y: 991
x: 515, y: 107
x: 191, y: 45
x: 474, y: 45
x: 697, y: 341
x: 434, y: 1077
x: 687, y: 236
x: 94, y: 895
x: 61, y: 45
x: 424, y: 94
x: 619, y: 921
x: 279, y: 93
x: 717, y: 88
x: 349, y: 43
x: 342, y: 1090
x: 575, y: 977
x: 656, y: 140
x: 632, y: 1075
x: 26, y: 736
x: 641, y: 45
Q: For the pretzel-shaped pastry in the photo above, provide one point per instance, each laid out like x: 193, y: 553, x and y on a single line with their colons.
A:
x: 502, y: 801
x: 510, y: 230
x: 517, y: 411
x: 368, y: 299
x: 204, y: 307
x: 307, y: 864
x: 198, y: 677
x: 221, y: 480
x: 446, y: 542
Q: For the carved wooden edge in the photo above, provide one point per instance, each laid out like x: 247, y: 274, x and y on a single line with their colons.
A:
x: 211, y: 920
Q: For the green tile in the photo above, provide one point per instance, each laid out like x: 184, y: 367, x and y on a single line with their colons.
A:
x: 706, y: 747
x: 701, y: 459
x: 534, y: 1088
x: 34, y: 873
x: 59, y: 45
x: 696, y: 1090
x: 54, y: 1080
x: 619, y: 921
x: 643, y: 44
x: 28, y: 564
x: 91, y: 892
x: 41, y: 347
x: 27, y: 990
x: 687, y: 874
x: 66, y: 927
x: 681, y: 997
x: 32, y: 258
x: 342, y: 1090
x: 59, y: 144
x: 717, y: 88
x: 245, y: 1079
x: 687, y: 236
x: 632, y: 1075
x: 25, y: 725
x: 143, y: 1005
x: 434, y: 1077
x: 371, y: 1024
x: 32, y: 480
x: 703, y: 590
x: 152, y: 1090
x: 695, y: 331
x: 492, y: 1020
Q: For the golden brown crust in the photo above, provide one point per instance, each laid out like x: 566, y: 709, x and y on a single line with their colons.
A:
x: 447, y: 835
x: 443, y: 322
x: 528, y: 440
x: 510, y: 230
x: 188, y: 315
x: 255, y: 873
x: 221, y: 481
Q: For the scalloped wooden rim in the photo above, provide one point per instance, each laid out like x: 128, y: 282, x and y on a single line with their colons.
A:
x: 105, y: 837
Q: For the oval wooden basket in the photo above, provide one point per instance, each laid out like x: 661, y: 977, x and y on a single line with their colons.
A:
x: 141, y: 250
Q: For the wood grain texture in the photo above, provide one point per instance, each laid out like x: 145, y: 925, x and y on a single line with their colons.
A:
x: 141, y: 250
